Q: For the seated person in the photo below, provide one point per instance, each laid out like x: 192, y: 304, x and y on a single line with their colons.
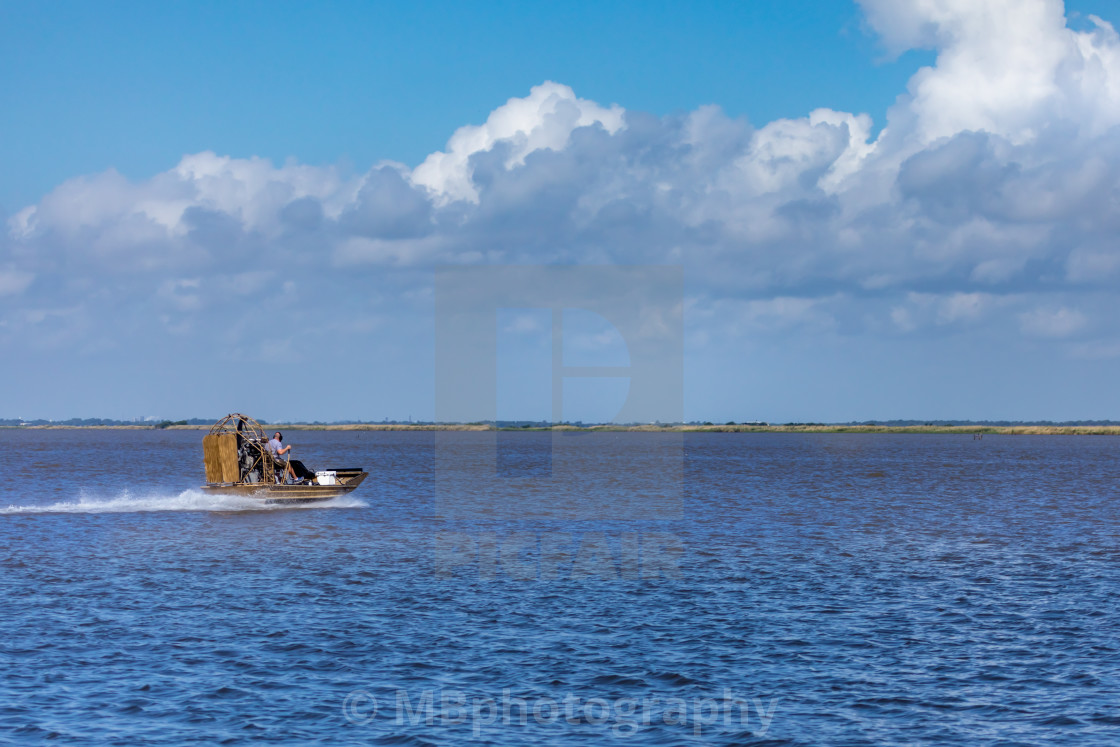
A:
x: 296, y: 469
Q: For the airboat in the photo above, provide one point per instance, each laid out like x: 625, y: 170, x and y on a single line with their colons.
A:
x: 238, y: 462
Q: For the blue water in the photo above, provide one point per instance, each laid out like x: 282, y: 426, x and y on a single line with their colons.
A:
x: 837, y: 589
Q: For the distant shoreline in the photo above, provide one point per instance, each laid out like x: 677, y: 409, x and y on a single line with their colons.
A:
x: 1017, y: 430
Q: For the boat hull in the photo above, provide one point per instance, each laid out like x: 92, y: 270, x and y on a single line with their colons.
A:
x: 347, y: 482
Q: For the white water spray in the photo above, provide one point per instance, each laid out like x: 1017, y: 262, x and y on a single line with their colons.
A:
x: 188, y: 500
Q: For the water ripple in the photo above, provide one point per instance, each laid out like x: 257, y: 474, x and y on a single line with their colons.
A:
x: 843, y: 590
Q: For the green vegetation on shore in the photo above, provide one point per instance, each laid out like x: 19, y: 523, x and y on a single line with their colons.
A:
x: 1047, y: 430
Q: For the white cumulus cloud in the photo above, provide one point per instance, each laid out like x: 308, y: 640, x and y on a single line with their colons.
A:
x: 1011, y: 68
x: 543, y: 119
x: 989, y: 200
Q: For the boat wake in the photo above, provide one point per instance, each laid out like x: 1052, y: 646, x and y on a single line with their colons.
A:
x: 188, y: 500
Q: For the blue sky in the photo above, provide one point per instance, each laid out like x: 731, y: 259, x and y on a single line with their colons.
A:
x: 133, y: 86
x: 201, y: 198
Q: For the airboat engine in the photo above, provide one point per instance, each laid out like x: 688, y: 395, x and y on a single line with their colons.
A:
x: 235, y: 451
